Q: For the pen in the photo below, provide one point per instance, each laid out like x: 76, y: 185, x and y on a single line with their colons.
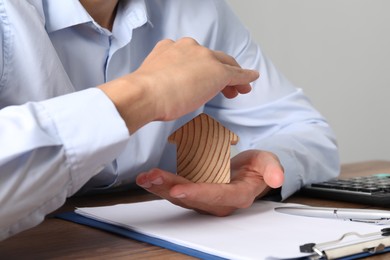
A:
x: 379, y: 217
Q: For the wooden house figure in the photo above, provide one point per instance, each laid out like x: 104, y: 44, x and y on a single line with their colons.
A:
x: 203, y: 150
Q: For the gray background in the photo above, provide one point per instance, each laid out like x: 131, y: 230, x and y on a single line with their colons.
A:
x: 338, y: 51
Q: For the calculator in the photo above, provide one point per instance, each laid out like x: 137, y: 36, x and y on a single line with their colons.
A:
x: 371, y: 190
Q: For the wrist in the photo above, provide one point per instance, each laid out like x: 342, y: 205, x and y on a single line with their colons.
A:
x: 133, y: 100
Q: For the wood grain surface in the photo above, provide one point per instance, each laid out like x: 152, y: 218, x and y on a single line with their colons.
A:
x: 203, y: 150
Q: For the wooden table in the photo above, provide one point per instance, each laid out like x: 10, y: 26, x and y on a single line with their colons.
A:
x: 59, y: 239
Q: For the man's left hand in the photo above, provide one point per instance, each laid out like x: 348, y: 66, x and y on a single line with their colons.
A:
x: 254, y: 173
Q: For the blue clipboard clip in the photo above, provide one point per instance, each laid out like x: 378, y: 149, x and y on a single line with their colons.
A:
x: 351, y: 245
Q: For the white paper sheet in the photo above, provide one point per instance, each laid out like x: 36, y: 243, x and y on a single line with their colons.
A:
x: 255, y: 233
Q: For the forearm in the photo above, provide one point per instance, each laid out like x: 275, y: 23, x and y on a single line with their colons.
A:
x: 29, y: 190
x: 50, y: 149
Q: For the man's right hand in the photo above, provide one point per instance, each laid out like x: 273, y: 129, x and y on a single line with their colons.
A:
x: 176, y: 78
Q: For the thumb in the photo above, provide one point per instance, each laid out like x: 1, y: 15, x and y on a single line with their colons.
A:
x: 274, y: 176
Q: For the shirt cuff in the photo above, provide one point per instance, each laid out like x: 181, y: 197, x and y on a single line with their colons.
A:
x: 91, y: 130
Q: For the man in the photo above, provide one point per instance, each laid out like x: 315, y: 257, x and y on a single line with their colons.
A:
x: 91, y: 89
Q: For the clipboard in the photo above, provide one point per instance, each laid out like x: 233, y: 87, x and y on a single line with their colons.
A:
x: 79, y: 219
x: 350, y: 246
x: 356, y: 248
x: 208, y: 237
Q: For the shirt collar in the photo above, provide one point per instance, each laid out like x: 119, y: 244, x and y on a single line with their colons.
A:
x: 131, y: 14
x: 63, y: 14
x: 67, y: 13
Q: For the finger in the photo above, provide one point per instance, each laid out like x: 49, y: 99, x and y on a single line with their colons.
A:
x: 230, y: 92
x: 243, y: 89
x: 160, y: 182
x: 242, y: 77
x: 274, y: 176
x: 264, y: 164
x: 233, y: 91
x: 274, y: 171
x: 159, y: 177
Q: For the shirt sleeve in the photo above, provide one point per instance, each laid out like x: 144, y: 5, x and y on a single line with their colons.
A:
x: 50, y: 149
x: 276, y: 116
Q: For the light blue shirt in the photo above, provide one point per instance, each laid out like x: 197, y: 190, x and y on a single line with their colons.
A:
x: 60, y: 134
